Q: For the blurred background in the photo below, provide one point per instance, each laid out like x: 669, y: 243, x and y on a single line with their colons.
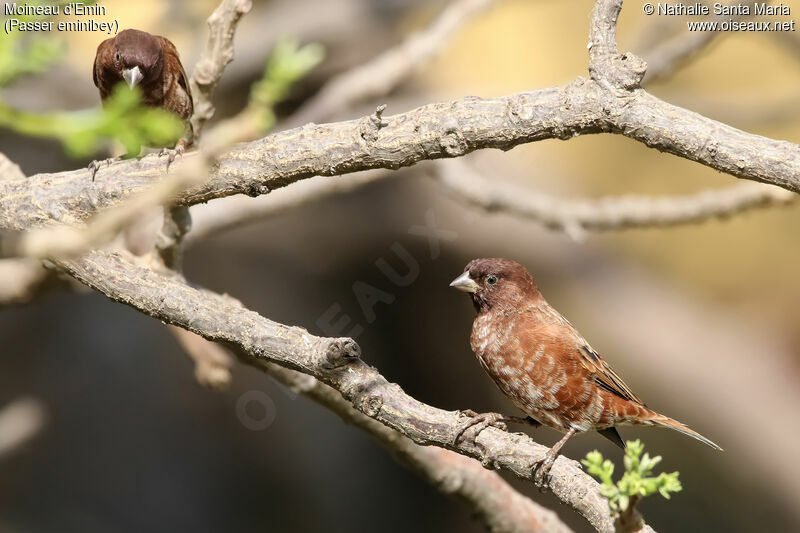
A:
x: 700, y: 320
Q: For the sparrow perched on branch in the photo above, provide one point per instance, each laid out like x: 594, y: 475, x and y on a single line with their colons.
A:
x: 541, y: 362
x: 151, y: 63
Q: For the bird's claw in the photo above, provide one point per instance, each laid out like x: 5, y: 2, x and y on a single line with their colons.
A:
x: 172, y: 153
x: 95, y: 165
x: 541, y: 471
x: 480, y: 422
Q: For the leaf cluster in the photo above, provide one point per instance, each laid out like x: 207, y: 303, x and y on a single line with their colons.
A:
x: 288, y: 63
x: 638, y: 480
x: 83, y: 133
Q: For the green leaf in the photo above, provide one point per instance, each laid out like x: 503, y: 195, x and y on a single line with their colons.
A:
x: 288, y: 63
x: 83, y: 133
x: 637, y: 480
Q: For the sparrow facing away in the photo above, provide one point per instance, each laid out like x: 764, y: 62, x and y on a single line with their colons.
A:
x: 150, y: 62
x: 541, y: 362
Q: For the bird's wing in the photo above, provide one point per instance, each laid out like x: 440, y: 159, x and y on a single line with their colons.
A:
x: 598, y: 369
x: 603, y: 374
x: 169, y: 48
x: 102, y: 51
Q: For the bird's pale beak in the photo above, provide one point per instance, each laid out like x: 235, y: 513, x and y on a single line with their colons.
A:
x: 465, y: 283
x: 133, y: 76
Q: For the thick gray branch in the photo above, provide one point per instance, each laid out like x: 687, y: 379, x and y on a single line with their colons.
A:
x: 429, y: 132
x: 335, y: 362
x: 672, y: 129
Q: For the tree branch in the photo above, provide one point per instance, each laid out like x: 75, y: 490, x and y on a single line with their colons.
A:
x: 215, y: 57
x: 379, y: 76
x: 20, y: 421
x: 212, y: 364
x: 20, y: 279
x: 335, y: 362
x: 429, y: 132
x: 498, y: 505
x: 576, y: 216
x: 611, y: 101
x: 667, y: 57
x: 612, y: 70
x: 72, y: 240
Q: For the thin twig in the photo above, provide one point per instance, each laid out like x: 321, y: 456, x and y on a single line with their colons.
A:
x: 382, y: 74
x: 613, y: 71
x: 667, y: 57
x: 212, y: 364
x: 170, y: 239
x: 577, y: 216
x: 208, y: 71
x: 215, y: 57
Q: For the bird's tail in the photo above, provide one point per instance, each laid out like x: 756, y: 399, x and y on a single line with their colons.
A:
x: 666, y: 422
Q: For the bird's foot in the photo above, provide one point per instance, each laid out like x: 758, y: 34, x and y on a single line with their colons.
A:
x: 95, y: 165
x: 479, y: 422
x: 541, y: 470
x: 171, y: 154
x: 476, y: 424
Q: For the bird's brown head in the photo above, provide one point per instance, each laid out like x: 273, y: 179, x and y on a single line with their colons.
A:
x: 497, y: 283
x: 134, y: 56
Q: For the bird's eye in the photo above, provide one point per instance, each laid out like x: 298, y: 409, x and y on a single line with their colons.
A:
x: 117, y: 56
x: 491, y: 279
